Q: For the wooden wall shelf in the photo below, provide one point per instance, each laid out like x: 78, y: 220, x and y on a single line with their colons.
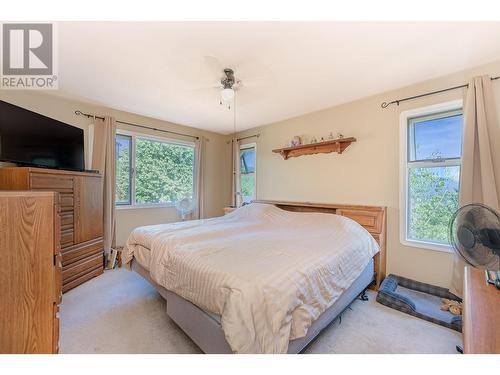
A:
x: 335, y: 145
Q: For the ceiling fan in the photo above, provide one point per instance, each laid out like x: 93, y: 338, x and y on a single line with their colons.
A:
x: 229, y: 86
x: 249, y: 74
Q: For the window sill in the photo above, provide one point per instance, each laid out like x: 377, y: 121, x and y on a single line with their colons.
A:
x: 140, y: 206
x: 428, y: 246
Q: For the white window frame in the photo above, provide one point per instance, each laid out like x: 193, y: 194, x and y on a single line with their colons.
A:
x: 404, y: 168
x: 244, y: 147
x: 134, y: 136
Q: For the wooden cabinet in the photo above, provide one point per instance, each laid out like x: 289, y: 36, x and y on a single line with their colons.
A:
x: 30, y: 272
x: 81, y: 221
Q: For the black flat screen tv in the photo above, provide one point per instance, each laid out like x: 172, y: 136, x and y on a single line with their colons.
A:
x: 30, y: 139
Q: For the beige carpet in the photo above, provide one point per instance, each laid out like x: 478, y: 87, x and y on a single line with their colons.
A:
x: 119, y: 312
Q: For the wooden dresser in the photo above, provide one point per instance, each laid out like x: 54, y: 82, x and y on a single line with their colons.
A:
x: 81, y: 216
x: 481, y: 320
x: 30, y: 272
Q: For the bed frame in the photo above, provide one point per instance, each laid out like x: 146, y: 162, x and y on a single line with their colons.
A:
x: 205, y: 329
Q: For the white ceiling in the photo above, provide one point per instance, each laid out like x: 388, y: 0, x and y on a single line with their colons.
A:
x: 166, y: 69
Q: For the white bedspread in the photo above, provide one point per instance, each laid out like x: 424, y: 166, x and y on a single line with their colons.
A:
x: 267, y: 272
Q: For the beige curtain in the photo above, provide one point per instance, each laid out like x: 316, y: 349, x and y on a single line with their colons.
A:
x: 90, y: 145
x: 236, y: 183
x: 480, y: 171
x: 199, y: 212
x: 103, y: 159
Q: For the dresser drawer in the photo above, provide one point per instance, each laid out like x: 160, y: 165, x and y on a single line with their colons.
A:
x: 67, y: 237
x: 51, y: 182
x: 67, y: 220
x: 82, y: 279
x: 77, y: 252
x: 81, y: 267
x: 67, y: 202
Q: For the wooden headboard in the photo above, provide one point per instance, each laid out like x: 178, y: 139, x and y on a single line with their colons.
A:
x: 372, y: 218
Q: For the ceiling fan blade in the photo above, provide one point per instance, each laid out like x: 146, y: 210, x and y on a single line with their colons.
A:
x: 247, y: 69
x: 253, y: 83
x: 214, y: 88
x: 214, y: 65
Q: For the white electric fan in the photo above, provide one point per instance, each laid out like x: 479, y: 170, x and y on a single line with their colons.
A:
x: 184, y: 207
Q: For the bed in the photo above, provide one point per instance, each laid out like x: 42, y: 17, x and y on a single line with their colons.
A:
x: 266, y: 278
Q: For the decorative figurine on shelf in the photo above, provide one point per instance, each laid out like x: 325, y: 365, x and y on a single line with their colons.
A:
x: 322, y: 139
x: 296, y: 141
x: 314, y: 140
x: 340, y: 135
x: 330, y: 137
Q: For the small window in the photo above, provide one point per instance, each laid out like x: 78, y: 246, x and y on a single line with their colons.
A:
x: 431, y: 178
x: 247, y: 172
x: 435, y: 137
x: 123, y: 169
x: 153, y: 171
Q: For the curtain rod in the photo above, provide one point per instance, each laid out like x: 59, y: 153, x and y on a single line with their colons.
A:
x: 385, y: 105
x: 247, y: 137
x: 250, y: 136
x: 80, y: 113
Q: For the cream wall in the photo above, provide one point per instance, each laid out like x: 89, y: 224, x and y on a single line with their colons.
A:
x: 367, y: 172
x: 217, y: 160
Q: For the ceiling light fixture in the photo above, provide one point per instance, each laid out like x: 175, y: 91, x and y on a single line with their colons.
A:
x: 227, y: 92
x: 227, y: 95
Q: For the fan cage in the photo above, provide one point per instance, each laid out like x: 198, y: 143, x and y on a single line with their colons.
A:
x: 474, y: 218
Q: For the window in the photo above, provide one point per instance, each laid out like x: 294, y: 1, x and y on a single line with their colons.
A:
x: 123, y: 169
x: 152, y: 171
x: 247, y: 172
x: 431, y: 146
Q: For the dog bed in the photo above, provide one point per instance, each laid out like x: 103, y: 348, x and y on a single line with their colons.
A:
x: 418, y: 299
